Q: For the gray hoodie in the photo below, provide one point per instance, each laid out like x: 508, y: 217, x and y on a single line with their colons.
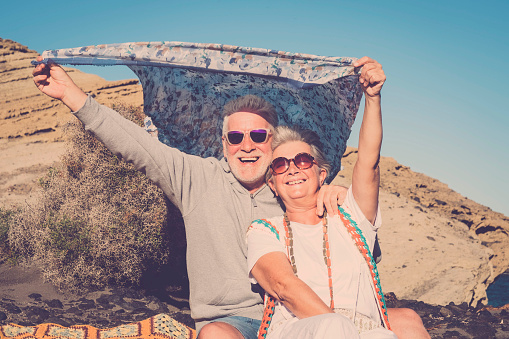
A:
x: 216, y: 208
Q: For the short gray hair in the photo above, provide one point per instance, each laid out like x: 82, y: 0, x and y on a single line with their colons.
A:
x: 285, y: 134
x: 252, y: 104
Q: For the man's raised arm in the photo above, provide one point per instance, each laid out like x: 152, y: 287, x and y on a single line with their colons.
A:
x: 165, y: 166
x: 53, y: 81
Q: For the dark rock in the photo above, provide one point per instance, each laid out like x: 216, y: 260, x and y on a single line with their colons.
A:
x: 103, y: 299
x: 58, y: 321
x: 12, y: 308
x: 455, y: 323
x: 36, y: 314
x: 140, y: 310
x: 487, y: 316
x: 390, y: 299
x: 463, y: 306
x: 445, y: 312
x: 130, y: 293
x: 86, y: 304
x: 101, y: 323
x: 3, y: 316
x: 456, y: 310
x: 85, y: 300
x: 184, y: 318
x: 130, y: 306
x: 35, y: 296
x: 74, y: 310
x: 158, y: 306
x: 105, y: 306
x: 481, y: 330
x: 452, y: 334
x: 55, y: 303
x: 137, y: 304
x: 115, y: 299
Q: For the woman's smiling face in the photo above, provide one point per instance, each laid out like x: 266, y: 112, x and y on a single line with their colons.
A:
x: 296, y: 183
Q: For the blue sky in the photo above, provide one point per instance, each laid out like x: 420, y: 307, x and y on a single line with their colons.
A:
x: 444, y: 102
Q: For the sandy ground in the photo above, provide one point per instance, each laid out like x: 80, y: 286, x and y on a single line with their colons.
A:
x: 19, y: 282
x: 22, y: 164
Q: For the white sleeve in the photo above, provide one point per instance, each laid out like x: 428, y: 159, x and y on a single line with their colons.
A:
x: 262, y: 238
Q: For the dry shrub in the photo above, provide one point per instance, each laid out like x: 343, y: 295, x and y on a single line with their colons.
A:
x: 6, y: 253
x: 98, y: 221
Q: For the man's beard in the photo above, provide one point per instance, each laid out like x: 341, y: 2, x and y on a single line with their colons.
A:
x: 249, y: 176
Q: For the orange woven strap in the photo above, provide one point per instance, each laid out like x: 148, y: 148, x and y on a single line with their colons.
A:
x: 269, y: 301
x: 356, y: 234
x: 267, y: 316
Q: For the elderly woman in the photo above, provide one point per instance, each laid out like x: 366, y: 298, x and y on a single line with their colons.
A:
x: 318, y: 272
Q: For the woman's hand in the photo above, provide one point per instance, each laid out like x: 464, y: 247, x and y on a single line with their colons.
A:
x: 372, y: 76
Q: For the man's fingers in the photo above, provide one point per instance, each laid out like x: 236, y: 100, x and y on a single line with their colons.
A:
x: 40, y: 78
x: 40, y: 69
x: 331, y: 204
x: 319, y: 203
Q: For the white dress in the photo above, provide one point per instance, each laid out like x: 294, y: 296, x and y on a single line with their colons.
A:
x: 352, y: 280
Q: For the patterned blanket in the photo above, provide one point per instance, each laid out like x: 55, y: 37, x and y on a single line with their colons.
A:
x: 161, y: 326
x: 185, y: 86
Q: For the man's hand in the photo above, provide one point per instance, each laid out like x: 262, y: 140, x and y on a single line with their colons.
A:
x: 372, y: 76
x: 330, y: 196
x: 53, y: 81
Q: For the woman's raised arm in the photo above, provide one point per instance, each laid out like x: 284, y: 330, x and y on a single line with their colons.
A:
x: 366, y: 173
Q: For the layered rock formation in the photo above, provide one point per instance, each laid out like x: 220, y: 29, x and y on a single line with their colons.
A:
x: 437, y: 245
x: 491, y: 227
x: 26, y: 112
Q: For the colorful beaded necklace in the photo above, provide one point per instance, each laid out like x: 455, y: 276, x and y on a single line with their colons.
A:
x: 326, y: 250
x: 356, y: 234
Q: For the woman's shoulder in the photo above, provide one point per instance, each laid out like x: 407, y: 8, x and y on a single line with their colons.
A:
x: 272, y: 225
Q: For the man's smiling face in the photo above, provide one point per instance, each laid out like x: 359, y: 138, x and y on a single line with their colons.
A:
x: 248, y: 160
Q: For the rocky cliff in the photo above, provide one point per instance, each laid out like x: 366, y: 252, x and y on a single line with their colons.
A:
x: 437, y: 245
x: 27, y: 113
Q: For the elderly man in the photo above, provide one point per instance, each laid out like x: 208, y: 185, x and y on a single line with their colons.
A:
x: 218, y: 199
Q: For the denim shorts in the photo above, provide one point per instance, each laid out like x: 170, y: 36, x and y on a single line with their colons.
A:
x: 247, y: 326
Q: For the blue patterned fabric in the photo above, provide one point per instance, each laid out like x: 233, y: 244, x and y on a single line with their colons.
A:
x: 185, y: 86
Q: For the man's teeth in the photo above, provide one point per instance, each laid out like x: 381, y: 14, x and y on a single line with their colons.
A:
x: 295, y: 182
x: 253, y: 159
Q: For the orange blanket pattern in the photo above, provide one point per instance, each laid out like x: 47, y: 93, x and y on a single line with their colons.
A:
x: 160, y: 326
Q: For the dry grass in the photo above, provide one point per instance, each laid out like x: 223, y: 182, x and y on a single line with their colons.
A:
x: 97, y: 221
